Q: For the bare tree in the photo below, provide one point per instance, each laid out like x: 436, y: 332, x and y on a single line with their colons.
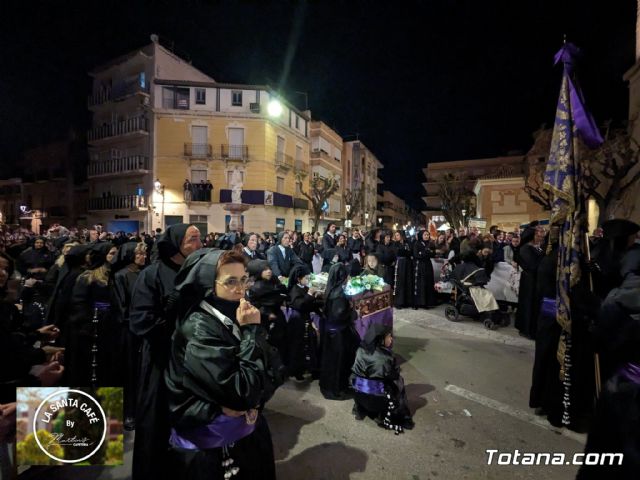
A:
x: 354, y: 199
x: 609, y: 172
x: 320, y: 191
x: 535, y: 162
x: 455, y: 196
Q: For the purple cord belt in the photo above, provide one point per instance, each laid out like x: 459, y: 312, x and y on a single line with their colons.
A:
x: 632, y: 372
x: 223, y: 431
x: 365, y: 385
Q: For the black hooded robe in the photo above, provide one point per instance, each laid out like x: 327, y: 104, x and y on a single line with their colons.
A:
x: 403, y: 276
x: 376, y: 362
x: 214, y: 362
x: 127, y: 356
x: 150, y: 320
x: 338, y: 338
x: 302, y: 340
x: 424, y: 294
x: 528, y: 302
x: 80, y: 338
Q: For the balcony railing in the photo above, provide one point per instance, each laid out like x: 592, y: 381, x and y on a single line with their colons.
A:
x: 131, y: 125
x: 198, y: 150
x: 114, y: 166
x: 234, y: 152
x: 284, y: 160
x: 99, y: 97
x: 301, y: 167
x: 119, y: 90
x: 118, y: 202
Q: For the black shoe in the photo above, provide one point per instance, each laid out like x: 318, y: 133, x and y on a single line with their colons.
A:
x: 356, y: 413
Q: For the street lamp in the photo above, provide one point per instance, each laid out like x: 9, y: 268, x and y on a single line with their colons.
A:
x: 380, y: 220
x: 159, y: 188
x: 366, y: 220
x: 274, y: 108
x: 464, y: 215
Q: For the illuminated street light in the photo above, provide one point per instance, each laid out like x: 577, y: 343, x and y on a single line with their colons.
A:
x: 274, y: 108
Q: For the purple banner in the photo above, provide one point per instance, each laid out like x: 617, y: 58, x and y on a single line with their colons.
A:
x: 384, y: 317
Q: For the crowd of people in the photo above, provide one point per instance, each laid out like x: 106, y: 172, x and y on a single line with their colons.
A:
x: 200, y: 338
x: 201, y: 332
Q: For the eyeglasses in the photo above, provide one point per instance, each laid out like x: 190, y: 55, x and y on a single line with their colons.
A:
x: 233, y: 283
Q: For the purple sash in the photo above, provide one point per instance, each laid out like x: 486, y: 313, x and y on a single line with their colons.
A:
x: 548, y: 307
x: 370, y: 387
x: 101, y: 306
x: 219, y: 433
x: 631, y: 371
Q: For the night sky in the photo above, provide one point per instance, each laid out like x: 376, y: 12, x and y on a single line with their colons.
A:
x: 419, y: 82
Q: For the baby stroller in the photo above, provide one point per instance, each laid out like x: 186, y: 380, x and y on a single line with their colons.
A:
x: 483, y: 307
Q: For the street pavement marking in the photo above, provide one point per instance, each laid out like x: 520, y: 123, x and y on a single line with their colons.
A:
x: 514, y: 412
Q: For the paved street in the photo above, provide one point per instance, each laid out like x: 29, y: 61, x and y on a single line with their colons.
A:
x: 468, y: 387
x: 443, y: 364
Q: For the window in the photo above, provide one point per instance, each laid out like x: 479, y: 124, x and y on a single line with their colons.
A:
x: 201, y: 96
x: 198, y: 175
x: 176, y: 98
x: 297, y: 121
x: 298, y: 189
x: 236, y: 98
x: 280, y: 184
x: 298, y: 153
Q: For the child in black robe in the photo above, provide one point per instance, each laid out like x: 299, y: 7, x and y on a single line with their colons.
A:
x: 379, y: 387
x: 268, y: 295
x: 302, y: 339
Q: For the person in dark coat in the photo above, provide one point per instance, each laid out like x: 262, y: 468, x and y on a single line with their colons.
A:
x: 546, y: 389
x: 301, y: 336
x: 152, y: 319
x: 379, y: 387
x: 281, y: 256
x: 615, y: 427
x: 37, y: 259
x: 529, y: 258
x: 268, y: 295
x: 338, y: 338
x: 355, y: 244
x: 60, y: 301
x: 306, y: 250
x: 329, y: 241
x: 219, y: 377
x: 424, y: 294
x: 387, y: 257
x: 131, y: 260
x: 403, y: 273
x: 372, y: 241
x: 90, y: 323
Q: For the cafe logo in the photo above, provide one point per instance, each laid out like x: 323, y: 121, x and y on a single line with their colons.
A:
x: 79, y: 431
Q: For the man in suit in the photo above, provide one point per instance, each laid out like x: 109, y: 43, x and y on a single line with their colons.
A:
x: 328, y: 245
x: 281, y: 256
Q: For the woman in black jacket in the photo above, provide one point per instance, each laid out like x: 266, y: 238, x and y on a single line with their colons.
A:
x: 219, y: 377
x: 301, y: 336
x: 424, y: 294
x: 529, y: 257
x: 338, y: 338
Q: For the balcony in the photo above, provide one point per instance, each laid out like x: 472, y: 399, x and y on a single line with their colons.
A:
x: 301, y: 168
x: 118, y: 202
x: 283, y: 162
x: 136, y: 164
x: 301, y: 203
x: 131, y: 126
x: 318, y: 154
x: 119, y: 91
x: 234, y: 153
x: 198, y: 151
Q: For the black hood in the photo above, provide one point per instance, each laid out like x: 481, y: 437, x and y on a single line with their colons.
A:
x: 125, y: 256
x: 297, y: 272
x: 375, y: 336
x: 337, y: 276
x: 98, y: 254
x: 170, y: 241
x: 198, y: 273
x: 76, y: 256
